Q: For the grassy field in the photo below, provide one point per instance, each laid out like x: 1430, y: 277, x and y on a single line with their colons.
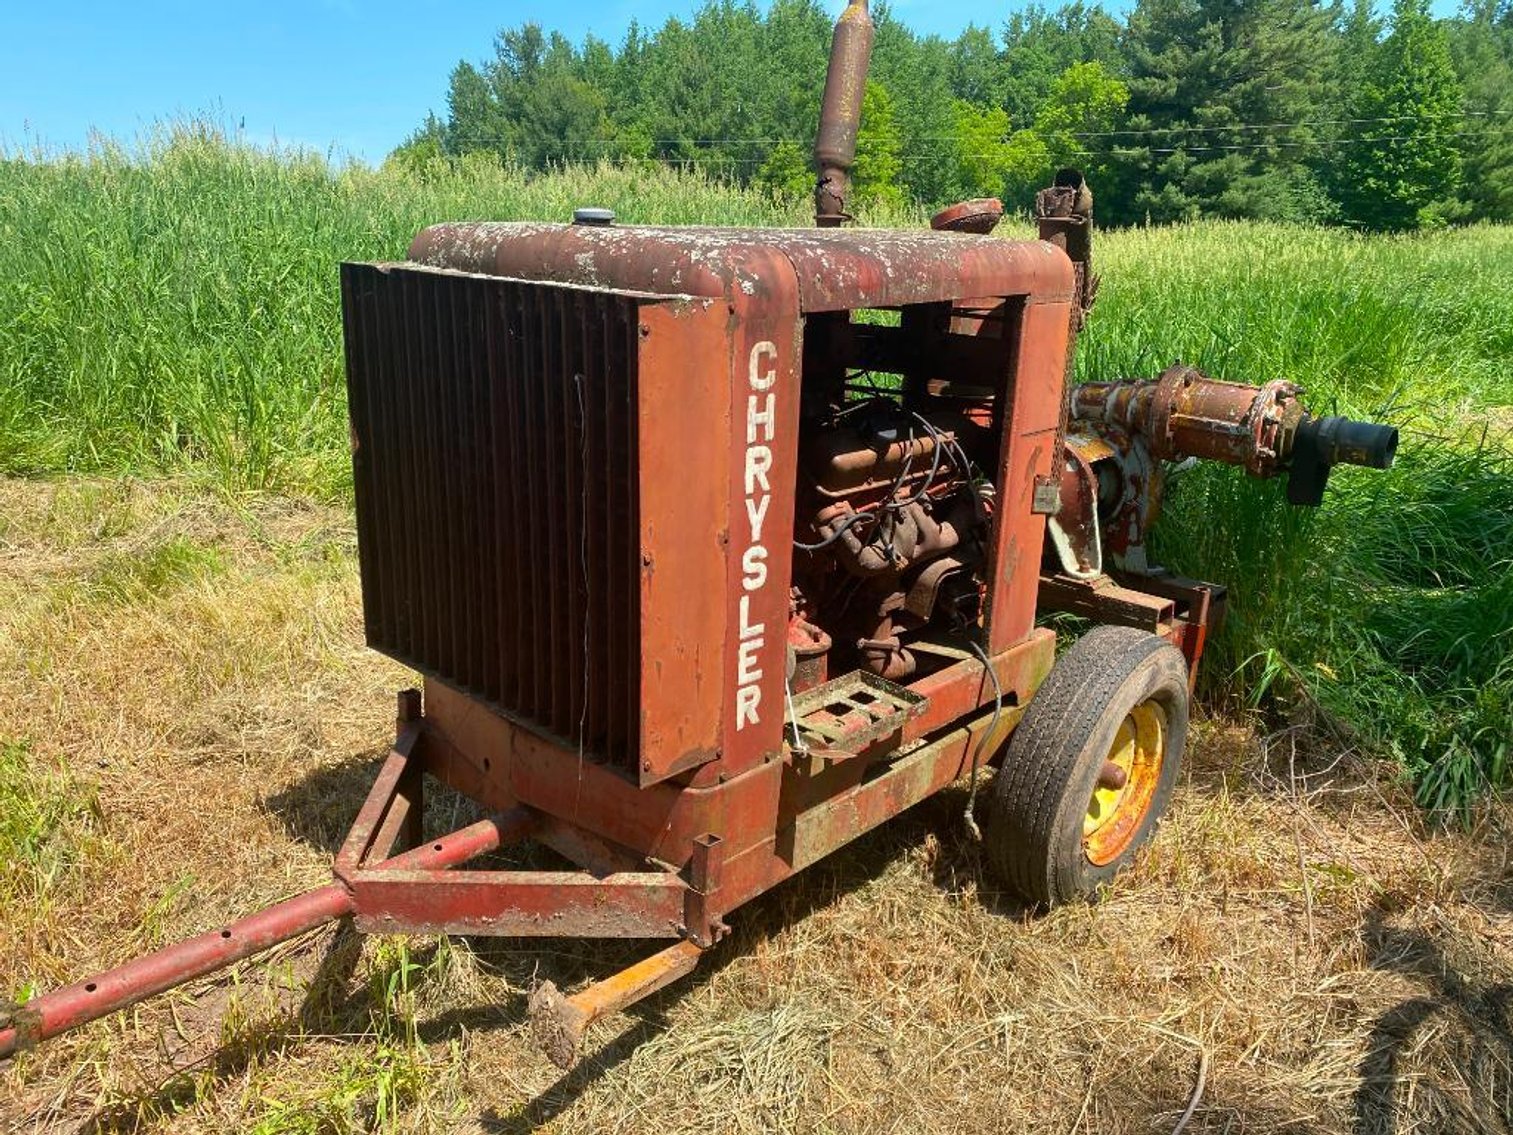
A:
x: 203, y: 721
x: 188, y: 719
x: 176, y: 310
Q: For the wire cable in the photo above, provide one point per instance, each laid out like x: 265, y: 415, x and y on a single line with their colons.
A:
x: 982, y: 742
x: 844, y: 525
x: 937, y: 447
x: 564, y: 144
x: 889, y: 505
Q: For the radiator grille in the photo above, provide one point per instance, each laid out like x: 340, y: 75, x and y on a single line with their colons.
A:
x: 494, y: 447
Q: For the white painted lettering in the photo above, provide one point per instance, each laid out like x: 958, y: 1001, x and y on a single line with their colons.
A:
x: 756, y: 417
x: 758, y: 461
x: 746, y: 668
x: 754, y: 568
x: 748, y: 628
x: 761, y: 430
x: 756, y: 512
x: 747, y: 701
x: 764, y: 365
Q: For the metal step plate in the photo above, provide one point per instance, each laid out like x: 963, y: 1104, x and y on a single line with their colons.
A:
x: 843, y: 716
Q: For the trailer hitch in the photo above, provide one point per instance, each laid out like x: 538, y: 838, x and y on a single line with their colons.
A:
x: 420, y: 890
x: 85, y: 1001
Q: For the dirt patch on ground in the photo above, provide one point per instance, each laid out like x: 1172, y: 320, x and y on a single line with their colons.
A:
x: 185, y: 675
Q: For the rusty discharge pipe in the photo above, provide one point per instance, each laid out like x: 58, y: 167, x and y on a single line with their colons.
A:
x: 1184, y: 413
x: 841, y: 113
x: 1263, y: 429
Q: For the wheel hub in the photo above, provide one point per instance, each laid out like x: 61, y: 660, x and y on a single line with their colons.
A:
x: 1126, y: 784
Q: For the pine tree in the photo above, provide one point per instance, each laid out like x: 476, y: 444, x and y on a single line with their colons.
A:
x: 1039, y: 45
x: 1400, y: 168
x: 975, y: 67
x: 1234, y: 107
x: 1215, y: 86
x: 1481, y: 42
x: 475, y: 119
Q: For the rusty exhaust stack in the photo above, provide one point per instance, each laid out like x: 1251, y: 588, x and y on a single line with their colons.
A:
x: 841, y: 113
x: 1064, y: 214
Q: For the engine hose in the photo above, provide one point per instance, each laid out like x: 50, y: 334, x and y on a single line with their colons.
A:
x: 840, y: 529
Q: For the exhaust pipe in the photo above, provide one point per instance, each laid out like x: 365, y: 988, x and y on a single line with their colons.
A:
x: 841, y: 113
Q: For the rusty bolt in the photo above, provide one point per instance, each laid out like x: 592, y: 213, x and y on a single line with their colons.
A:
x: 1112, y: 777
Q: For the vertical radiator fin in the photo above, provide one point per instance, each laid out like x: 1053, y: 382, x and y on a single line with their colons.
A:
x: 494, y: 448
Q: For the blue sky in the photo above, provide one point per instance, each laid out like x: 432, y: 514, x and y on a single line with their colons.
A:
x: 350, y: 75
x: 354, y: 74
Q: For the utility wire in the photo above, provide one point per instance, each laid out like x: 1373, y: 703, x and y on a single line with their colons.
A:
x: 565, y: 153
x: 1134, y: 131
x: 1132, y: 150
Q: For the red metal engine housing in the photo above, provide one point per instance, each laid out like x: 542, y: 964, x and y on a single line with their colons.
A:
x: 577, y: 456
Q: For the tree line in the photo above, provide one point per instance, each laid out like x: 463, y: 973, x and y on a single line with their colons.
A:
x: 1276, y: 109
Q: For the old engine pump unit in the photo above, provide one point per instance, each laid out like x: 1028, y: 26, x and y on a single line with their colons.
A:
x: 719, y: 547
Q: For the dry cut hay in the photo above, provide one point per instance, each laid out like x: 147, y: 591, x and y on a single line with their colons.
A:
x: 1296, y: 932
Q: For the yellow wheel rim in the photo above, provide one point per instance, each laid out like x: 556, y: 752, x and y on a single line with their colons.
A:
x: 1120, y: 803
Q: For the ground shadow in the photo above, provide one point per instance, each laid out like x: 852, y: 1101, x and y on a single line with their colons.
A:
x: 325, y: 1008
x: 956, y: 864
x: 1469, y: 1089
x: 319, y: 810
x: 548, y: 1104
x: 1475, y: 1015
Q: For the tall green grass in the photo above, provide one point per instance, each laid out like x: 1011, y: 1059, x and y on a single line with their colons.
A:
x: 1391, y: 607
x: 175, y: 307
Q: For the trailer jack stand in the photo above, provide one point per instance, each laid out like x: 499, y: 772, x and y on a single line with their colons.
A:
x: 559, y: 1022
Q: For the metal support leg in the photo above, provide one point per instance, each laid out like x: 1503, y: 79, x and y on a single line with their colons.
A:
x: 701, y: 905
x: 559, y: 1022
x: 404, y: 826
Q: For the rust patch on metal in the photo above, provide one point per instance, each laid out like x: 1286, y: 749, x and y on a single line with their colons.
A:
x: 836, y: 269
x: 980, y: 215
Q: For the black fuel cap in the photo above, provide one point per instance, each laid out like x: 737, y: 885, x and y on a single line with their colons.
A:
x: 593, y: 216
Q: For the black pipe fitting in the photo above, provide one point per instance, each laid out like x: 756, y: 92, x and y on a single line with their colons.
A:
x: 1323, y: 443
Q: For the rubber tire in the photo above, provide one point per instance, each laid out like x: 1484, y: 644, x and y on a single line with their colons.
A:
x: 1033, y: 832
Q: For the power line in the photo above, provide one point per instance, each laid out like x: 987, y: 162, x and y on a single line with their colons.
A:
x: 1264, y: 147
x: 1294, y: 125
x: 564, y: 149
x: 1127, y: 132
